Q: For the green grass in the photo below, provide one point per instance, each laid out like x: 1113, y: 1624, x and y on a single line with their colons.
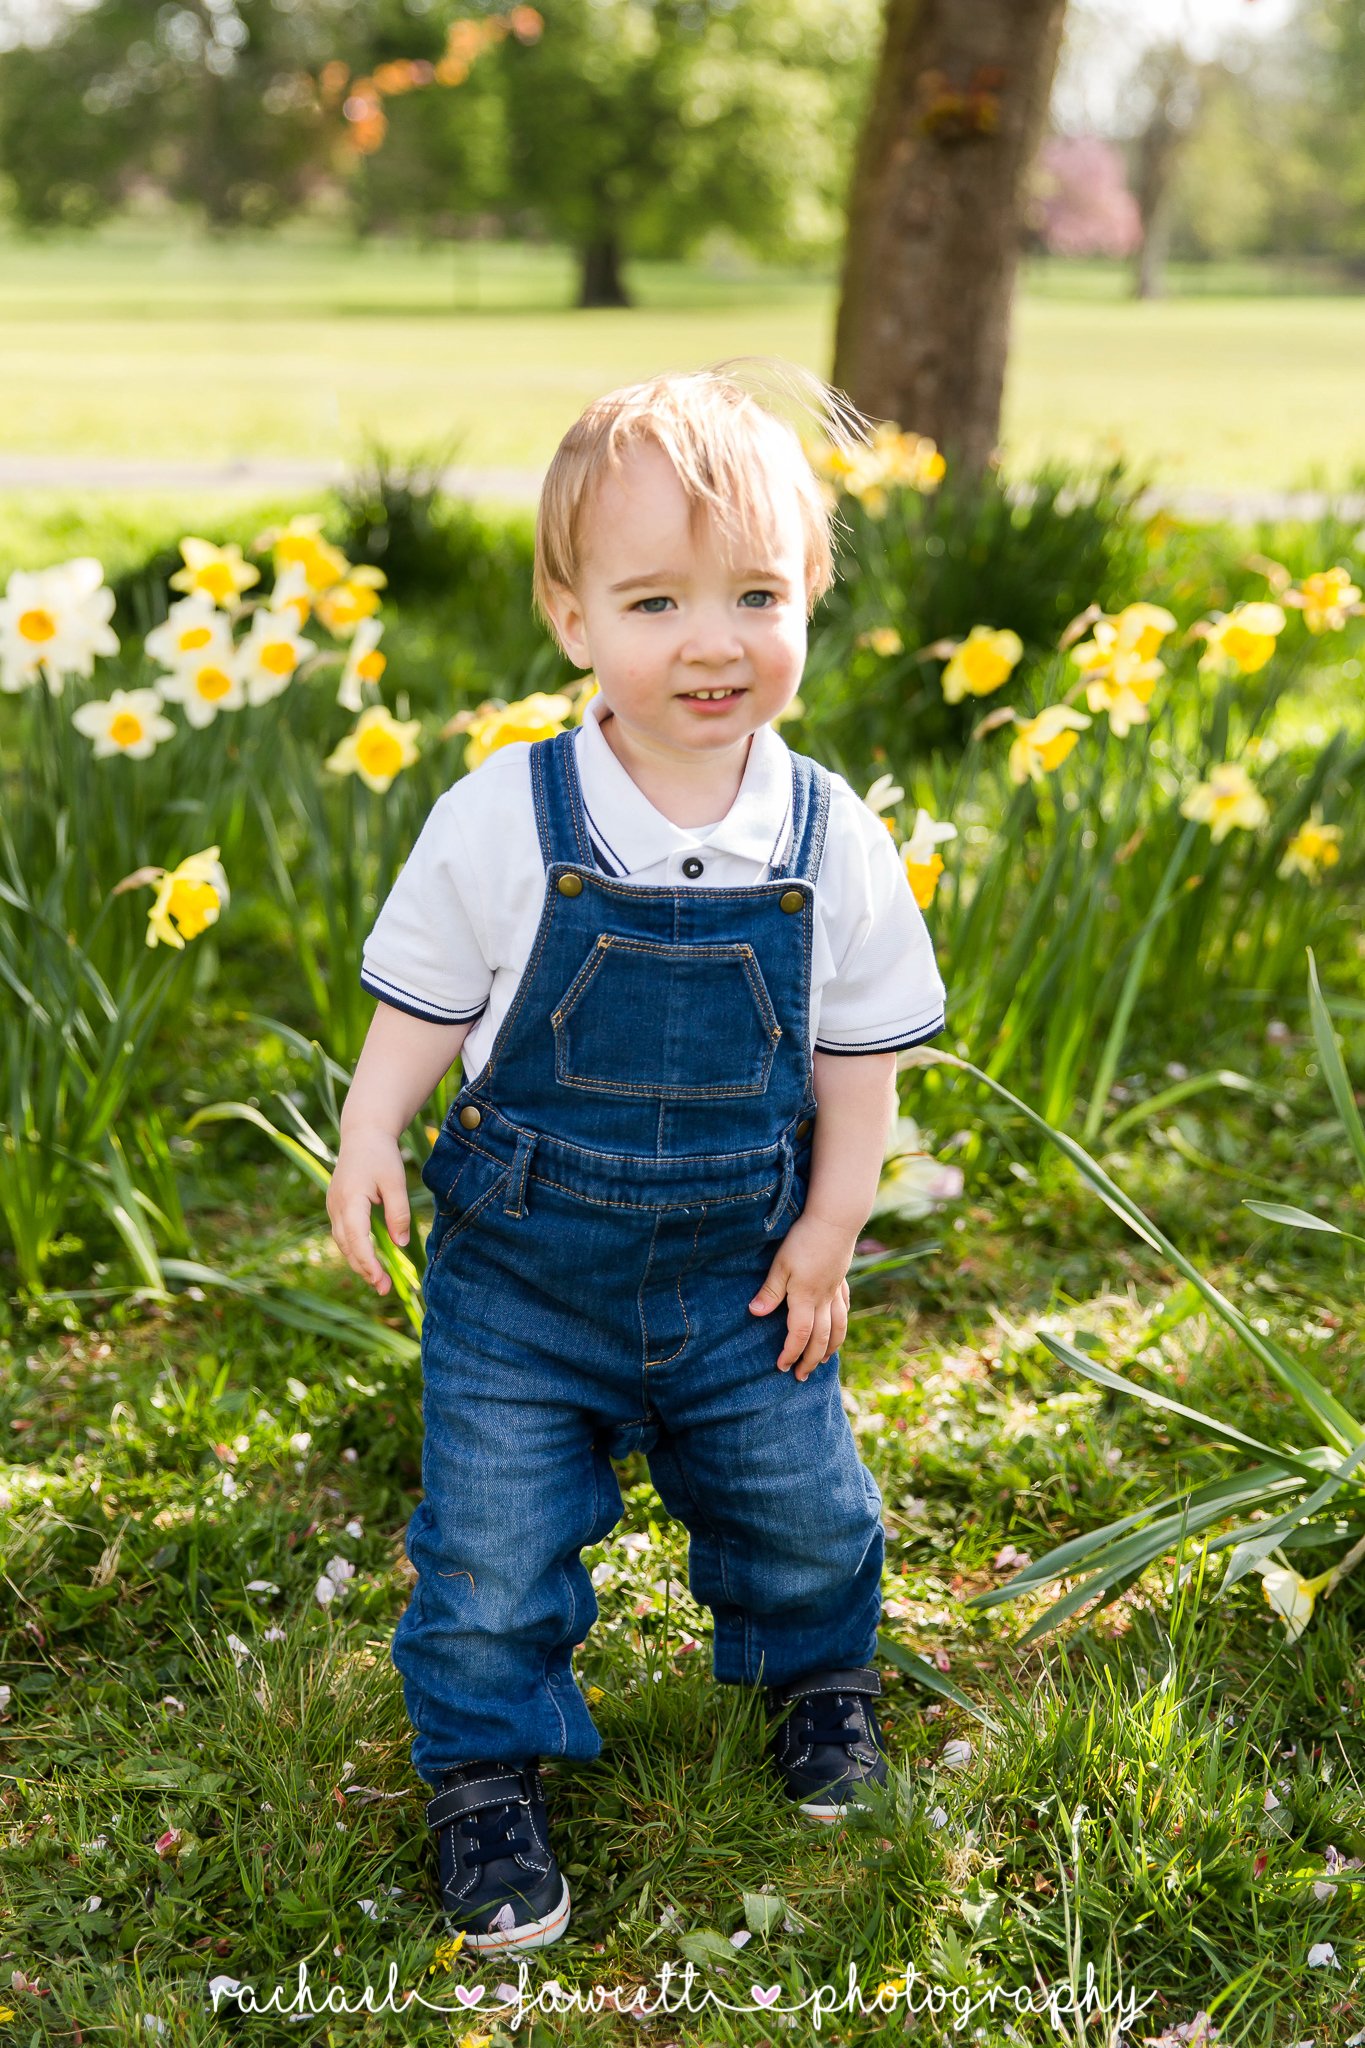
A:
x: 132, y: 344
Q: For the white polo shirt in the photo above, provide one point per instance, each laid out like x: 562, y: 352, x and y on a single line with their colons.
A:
x: 455, y: 933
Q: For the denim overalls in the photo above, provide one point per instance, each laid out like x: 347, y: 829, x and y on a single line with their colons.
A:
x: 609, y: 1194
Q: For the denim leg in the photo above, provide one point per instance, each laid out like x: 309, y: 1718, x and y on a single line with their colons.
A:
x: 515, y: 1481
x: 787, y: 1543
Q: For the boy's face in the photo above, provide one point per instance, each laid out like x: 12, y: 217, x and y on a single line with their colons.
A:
x: 660, y: 614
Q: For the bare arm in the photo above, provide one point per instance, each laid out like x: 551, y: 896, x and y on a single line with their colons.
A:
x: 856, y: 1094
x: 401, y: 1062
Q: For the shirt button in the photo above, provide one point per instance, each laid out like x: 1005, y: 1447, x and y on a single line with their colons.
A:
x: 471, y: 1117
x: 693, y: 867
x: 791, y: 899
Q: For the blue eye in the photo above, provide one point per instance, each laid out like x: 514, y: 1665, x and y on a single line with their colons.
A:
x: 758, y: 593
x: 644, y: 601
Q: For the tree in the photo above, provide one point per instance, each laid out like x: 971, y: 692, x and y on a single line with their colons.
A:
x: 1176, y: 88
x: 936, y: 214
x: 636, y: 126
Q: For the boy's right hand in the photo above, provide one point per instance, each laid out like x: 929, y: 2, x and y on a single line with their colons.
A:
x: 368, y: 1172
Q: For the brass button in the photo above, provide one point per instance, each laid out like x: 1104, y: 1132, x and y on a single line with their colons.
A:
x: 803, y: 1128
x: 791, y: 899
x: 571, y: 885
x: 471, y: 1117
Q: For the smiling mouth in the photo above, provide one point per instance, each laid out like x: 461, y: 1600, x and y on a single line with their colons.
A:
x: 712, y: 696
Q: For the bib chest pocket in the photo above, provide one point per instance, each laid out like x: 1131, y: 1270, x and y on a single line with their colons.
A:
x: 650, y: 1019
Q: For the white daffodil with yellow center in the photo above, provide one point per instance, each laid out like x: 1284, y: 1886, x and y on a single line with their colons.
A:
x: 193, y: 631
x: 981, y: 663
x: 53, y: 623
x: 219, y: 574
x: 270, y: 654
x: 378, y: 749
x: 129, y: 722
x: 1228, y: 801
x: 1327, y: 598
x: 364, y: 665
x: 1041, y: 744
x: 300, y: 546
x: 356, y: 597
x: 1242, y: 641
x: 1314, y: 846
x: 291, y: 593
x: 188, y: 900
x: 1291, y: 1596
x: 920, y: 857
x: 206, y: 687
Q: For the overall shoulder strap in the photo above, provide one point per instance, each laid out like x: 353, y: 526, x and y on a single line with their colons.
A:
x: 810, y: 816
x: 560, y: 817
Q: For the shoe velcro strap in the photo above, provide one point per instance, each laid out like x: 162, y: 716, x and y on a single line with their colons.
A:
x: 496, y: 1790
x: 861, y: 1681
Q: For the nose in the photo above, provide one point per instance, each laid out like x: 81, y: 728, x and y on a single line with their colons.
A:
x: 713, y: 641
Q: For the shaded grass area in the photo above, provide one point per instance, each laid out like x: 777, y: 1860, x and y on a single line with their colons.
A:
x: 134, y: 344
x: 221, y: 1767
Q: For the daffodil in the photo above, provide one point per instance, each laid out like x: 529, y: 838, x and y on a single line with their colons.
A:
x: 1241, y: 641
x: 883, y: 640
x: 922, y: 861
x: 270, y: 653
x: 1227, y: 800
x: 1291, y: 1596
x: 1119, y: 663
x: 300, y: 546
x: 364, y: 664
x: 356, y: 597
x: 129, y: 722
x: 194, y: 630
x: 537, y: 717
x: 379, y: 747
x: 205, y: 687
x: 884, y: 791
x: 1326, y: 599
x: 53, y: 622
x: 981, y: 663
x: 913, y: 1182
x: 291, y: 593
x: 1124, y: 696
x: 220, y: 574
x: 1314, y: 846
x: 889, y: 460
x: 188, y: 900
x: 1041, y: 744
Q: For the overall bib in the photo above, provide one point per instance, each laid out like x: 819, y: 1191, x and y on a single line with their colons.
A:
x: 609, y: 1194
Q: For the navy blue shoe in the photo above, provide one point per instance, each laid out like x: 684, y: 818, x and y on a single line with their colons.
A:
x: 829, y: 1743
x: 500, y: 1882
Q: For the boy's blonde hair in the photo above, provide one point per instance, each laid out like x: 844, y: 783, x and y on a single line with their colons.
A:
x: 724, y: 442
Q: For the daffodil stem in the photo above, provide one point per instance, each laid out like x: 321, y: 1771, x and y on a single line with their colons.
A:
x: 1348, y: 1564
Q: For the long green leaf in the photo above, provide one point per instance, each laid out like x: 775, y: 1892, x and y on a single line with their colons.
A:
x: 1333, y: 1066
x: 1299, y: 1219
x: 928, y: 1675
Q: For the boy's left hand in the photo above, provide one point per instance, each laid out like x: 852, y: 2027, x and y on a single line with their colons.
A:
x: 808, y: 1273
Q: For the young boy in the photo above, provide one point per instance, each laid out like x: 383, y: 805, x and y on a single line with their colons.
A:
x: 656, y: 939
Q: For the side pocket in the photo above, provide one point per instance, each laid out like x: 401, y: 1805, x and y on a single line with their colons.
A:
x: 480, y: 1181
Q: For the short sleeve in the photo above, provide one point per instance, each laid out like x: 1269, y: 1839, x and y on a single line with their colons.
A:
x: 886, y: 993
x: 425, y: 953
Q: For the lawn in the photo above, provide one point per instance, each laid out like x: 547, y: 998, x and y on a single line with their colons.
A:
x: 133, y: 345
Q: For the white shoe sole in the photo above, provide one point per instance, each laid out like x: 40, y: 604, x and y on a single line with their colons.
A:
x: 534, y: 1934
x: 823, y: 1812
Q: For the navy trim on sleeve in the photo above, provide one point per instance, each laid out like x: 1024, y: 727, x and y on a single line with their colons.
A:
x: 887, y: 1044
x: 400, y: 1000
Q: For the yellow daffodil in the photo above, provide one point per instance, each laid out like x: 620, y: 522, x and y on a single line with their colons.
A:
x: 379, y: 747
x: 1326, y: 599
x: 981, y: 663
x: 1041, y: 744
x: 885, y: 790
x: 364, y: 664
x: 923, y: 863
x: 1242, y: 641
x: 446, y: 1951
x: 1291, y: 1596
x: 300, y: 546
x: 1315, y: 846
x: 188, y: 900
x: 1228, y: 799
x: 205, y: 687
x: 129, y: 722
x: 1141, y: 628
x: 537, y: 717
x: 1124, y: 696
x: 270, y: 653
x: 1119, y: 664
x: 53, y: 623
x: 356, y: 597
x: 890, y: 460
x: 883, y: 640
x: 219, y: 574
x: 194, y: 630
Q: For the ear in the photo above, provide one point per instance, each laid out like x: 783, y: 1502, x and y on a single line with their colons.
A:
x: 566, y: 617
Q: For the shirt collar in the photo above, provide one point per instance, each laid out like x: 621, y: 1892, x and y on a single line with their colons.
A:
x: 626, y: 824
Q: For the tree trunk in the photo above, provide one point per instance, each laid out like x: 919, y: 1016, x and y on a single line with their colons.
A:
x: 600, y: 280
x: 936, y: 215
